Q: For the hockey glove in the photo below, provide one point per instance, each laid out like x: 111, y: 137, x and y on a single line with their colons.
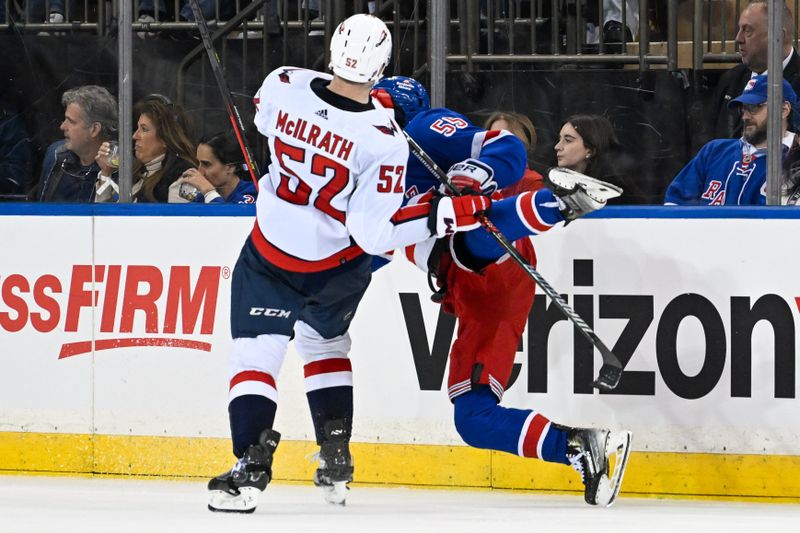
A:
x: 471, y: 176
x: 577, y: 193
x: 451, y: 214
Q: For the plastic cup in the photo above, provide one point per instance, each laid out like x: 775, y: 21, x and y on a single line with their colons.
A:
x: 113, y: 154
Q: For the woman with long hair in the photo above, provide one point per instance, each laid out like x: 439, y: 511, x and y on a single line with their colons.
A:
x: 163, y: 150
x: 584, y: 143
x: 588, y: 144
x: 522, y: 128
x: 516, y: 123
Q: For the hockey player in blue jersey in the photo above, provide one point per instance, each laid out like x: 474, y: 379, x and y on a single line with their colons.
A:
x: 492, y: 297
x: 733, y: 171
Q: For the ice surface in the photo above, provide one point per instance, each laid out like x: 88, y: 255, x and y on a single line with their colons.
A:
x: 66, y: 505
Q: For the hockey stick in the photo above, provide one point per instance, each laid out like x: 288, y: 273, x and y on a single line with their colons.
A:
x: 611, y: 371
x: 227, y: 98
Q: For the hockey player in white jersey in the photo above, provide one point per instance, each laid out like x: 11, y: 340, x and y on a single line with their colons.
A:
x: 332, y: 196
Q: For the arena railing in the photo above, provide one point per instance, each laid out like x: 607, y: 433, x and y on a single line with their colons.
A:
x: 546, y: 33
x: 509, y: 33
x: 549, y: 33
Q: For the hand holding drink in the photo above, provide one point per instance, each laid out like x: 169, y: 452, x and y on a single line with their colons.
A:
x: 113, y: 154
x: 107, y: 157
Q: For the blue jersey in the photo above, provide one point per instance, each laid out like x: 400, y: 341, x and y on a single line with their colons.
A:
x: 449, y: 137
x: 724, y: 172
x: 244, y: 193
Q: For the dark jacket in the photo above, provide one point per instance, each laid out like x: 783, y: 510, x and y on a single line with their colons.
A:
x: 174, y: 166
x: 63, y: 177
x: 723, y: 123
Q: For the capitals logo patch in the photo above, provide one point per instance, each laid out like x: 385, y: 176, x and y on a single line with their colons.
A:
x: 283, y: 76
x: 388, y: 130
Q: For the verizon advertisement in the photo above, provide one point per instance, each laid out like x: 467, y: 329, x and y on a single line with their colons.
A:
x: 119, y: 325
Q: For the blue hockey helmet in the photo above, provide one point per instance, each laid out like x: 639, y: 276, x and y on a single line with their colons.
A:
x: 407, y: 94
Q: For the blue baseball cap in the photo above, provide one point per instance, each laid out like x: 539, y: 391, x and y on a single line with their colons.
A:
x: 755, y: 92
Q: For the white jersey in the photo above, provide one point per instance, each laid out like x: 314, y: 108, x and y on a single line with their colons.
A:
x: 335, y: 179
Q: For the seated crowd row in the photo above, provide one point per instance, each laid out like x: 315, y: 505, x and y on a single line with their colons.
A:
x: 83, y: 167
x: 167, y: 166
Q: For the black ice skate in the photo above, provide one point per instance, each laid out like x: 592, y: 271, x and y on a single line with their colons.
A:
x: 237, y: 491
x: 335, y: 463
x: 589, y: 451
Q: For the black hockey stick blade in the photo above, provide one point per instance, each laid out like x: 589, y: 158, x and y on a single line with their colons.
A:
x: 608, y: 378
x: 611, y: 371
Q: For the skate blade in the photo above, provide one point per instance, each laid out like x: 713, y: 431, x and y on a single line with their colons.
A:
x: 600, y: 191
x: 336, y: 493
x: 618, y: 448
x: 222, y: 502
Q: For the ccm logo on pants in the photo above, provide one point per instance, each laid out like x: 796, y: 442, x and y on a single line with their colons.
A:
x: 265, y: 311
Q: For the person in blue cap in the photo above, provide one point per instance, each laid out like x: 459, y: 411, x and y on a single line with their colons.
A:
x: 733, y: 171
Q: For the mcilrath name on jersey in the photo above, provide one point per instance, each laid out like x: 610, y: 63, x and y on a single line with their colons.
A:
x: 314, y: 135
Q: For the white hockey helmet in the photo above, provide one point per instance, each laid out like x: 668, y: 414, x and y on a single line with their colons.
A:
x: 360, y: 48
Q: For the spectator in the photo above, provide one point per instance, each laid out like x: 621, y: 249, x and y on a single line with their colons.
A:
x: 614, y: 31
x: 211, y: 11
x: 314, y: 9
x: 522, y: 127
x: 15, y: 156
x: 733, y: 171
x: 516, y: 123
x: 69, y: 168
x: 163, y: 151
x: 222, y: 174
x: 37, y: 10
x: 583, y: 144
x: 721, y: 121
x: 587, y: 144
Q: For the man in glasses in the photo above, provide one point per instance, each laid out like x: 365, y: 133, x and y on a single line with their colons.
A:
x: 69, y: 169
x: 733, y: 171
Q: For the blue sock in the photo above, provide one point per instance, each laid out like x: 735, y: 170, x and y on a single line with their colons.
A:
x: 483, y: 423
x: 249, y: 415
x: 331, y: 403
x: 529, y: 213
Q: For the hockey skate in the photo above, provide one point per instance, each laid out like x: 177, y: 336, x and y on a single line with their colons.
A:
x: 579, y: 194
x: 590, y: 452
x: 335, y: 463
x: 237, y: 491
